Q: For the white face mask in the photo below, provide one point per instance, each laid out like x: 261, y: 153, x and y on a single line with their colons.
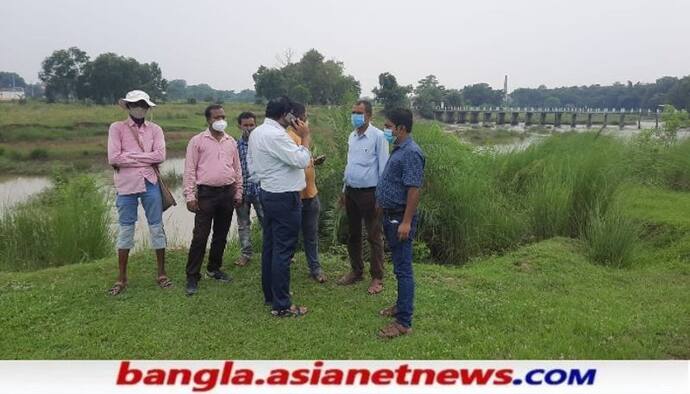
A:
x: 138, y: 112
x: 219, y: 125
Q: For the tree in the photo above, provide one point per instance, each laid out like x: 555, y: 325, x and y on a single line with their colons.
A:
x: 454, y: 98
x: 482, y: 94
x: 390, y: 94
x: 428, y: 95
x: 11, y: 80
x: 110, y: 77
x: 61, y: 71
x: 312, y: 80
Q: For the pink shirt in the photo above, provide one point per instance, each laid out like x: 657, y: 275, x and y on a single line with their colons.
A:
x: 212, y: 163
x: 134, y: 165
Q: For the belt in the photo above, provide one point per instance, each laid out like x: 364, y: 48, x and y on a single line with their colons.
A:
x: 396, y: 211
x: 361, y: 189
x: 217, y: 188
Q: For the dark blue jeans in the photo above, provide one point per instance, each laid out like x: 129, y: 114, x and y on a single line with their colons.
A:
x: 401, y: 252
x: 310, y: 232
x: 282, y: 219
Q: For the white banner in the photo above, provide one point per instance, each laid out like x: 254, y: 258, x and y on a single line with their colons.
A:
x: 346, y: 377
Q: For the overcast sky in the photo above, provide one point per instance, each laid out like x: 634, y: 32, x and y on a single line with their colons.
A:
x: 551, y: 42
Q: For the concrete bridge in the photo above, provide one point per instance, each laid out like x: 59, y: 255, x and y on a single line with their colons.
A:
x: 546, y: 116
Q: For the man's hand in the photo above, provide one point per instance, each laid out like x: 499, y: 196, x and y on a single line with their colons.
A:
x: 193, y: 206
x: 238, y: 202
x: 342, y: 201
x: 404, y: 231
x: 319, y: 160
x: 301, y: 128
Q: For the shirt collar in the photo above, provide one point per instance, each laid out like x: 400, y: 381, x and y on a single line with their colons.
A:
x: 273, y: 123
x: 407, y: 141
x: 365, y: 134
x: 132, y: 123
x: 207, y: 133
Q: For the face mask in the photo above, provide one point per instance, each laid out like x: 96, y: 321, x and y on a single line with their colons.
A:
x: 388, y: 133
x: 357, y: 120
x: 138, y: 112
x: 219, y: 125
x: 246, y: 132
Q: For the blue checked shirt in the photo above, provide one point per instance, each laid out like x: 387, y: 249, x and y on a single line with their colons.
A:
x: 404, y: 169
x: 251, y: 189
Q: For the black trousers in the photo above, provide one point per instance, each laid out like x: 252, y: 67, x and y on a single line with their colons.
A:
x: 215, y: 209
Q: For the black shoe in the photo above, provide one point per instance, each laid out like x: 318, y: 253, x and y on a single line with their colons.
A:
x: 192, y: 286
x: 219, y: 276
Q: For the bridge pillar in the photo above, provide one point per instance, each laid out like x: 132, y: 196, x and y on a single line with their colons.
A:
x: 589, y: 120
x: 528, y: 118
x: 542, y: 118
x: 474, y: 117
x: 557, y: 120
x: 501, y: 118
x: 462, y: 117
x: 438, y: 116
x: 487, y: 117
x: 621, y: 122
x: 657, y: 119
x: 450, y: 117
x: 639, y: 120
x: 514, y: 118
x: 606, y: 119
x: 573, y: 120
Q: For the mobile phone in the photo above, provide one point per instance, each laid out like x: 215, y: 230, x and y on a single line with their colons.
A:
x: 292, y: 119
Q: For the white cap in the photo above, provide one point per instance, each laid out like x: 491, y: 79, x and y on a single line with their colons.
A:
x: 134, y: 96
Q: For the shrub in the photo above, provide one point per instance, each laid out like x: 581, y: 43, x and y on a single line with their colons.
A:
x: 610, y: 238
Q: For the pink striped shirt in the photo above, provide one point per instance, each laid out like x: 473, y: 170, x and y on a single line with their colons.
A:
x: 212, y: 163
x: 134, y: 165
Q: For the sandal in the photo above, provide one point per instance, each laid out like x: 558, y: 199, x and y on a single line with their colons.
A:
x: 164, y: 282
x: 393, y: 330
x: 319, y: 277
x: 293, y: 311
x: 375, y: 287
x: 117, y: 288
x: 391, y: 311
x: 242, y: 261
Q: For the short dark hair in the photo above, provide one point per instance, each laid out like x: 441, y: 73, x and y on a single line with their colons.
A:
x: 401, y: 117
x: 298, y: 109
x: 367, y: 106
x: 210, y: 108
x: 278, y: 107
x: 245, y: 115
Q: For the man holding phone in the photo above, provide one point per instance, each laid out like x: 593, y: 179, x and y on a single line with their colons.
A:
x: 311, y: 206
x: 277, y: 163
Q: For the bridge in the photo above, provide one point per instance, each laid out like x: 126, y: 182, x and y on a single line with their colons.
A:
x: 557, y: 117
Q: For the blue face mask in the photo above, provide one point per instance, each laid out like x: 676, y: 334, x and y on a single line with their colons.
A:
x: 388, y: 133
x: 357, y: 120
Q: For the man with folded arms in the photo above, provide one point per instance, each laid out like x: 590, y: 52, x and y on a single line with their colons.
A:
x: 278, y: 164
x: 213, y: 189
x: 367, y: 154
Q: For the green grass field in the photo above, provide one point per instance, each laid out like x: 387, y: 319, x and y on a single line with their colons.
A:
x: 541, y: 301
x: 576, y: 247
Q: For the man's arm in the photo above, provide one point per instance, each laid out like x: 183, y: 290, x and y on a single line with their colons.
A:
x: 157, y: 155
x: 382, y: 153
x: 285, y: 149
x: 412, y: 177
x: 237, y: 167
x: 189, y: 178
x: 116, y: 157
x: 410, y: 209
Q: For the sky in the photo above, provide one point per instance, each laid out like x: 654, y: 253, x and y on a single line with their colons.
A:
x: 222, y: 43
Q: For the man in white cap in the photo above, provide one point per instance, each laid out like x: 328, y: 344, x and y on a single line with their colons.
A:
x: 135, y: 147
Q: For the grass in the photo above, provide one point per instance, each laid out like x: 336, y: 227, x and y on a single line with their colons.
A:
x: 542, y: 301
x: 65, y: 225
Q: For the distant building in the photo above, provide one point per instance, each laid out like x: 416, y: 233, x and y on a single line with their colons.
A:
x: 12, y: 94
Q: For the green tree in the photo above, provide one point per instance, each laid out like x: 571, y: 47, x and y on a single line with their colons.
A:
x: 61, y: 71
x: 454, y: 98
x: 482, y: 94
x: 428, y: 95
x: 390, y: 94
x: 9, y: 80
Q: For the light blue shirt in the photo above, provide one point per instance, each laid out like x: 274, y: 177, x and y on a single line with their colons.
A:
x: 367, y: 155
x: 274, y: 160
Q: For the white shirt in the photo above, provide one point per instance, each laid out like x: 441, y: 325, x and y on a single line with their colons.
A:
x: 367, y: 154
x: 274, y: 160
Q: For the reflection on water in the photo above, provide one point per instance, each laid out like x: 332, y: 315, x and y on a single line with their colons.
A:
x: 18, y: 189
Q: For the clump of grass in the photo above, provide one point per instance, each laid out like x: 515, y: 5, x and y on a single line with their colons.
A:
x: 610, y: 238
x: 38, y: 154
x: 172, y: 178
x: 68, y: 224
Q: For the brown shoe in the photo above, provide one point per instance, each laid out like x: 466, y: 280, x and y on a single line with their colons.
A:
x: 393, y: 330
x: 319, y: 277
x: 375, y: 287
x: 391, y: 311
x: 242, y: 261
x: 349, y: 278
